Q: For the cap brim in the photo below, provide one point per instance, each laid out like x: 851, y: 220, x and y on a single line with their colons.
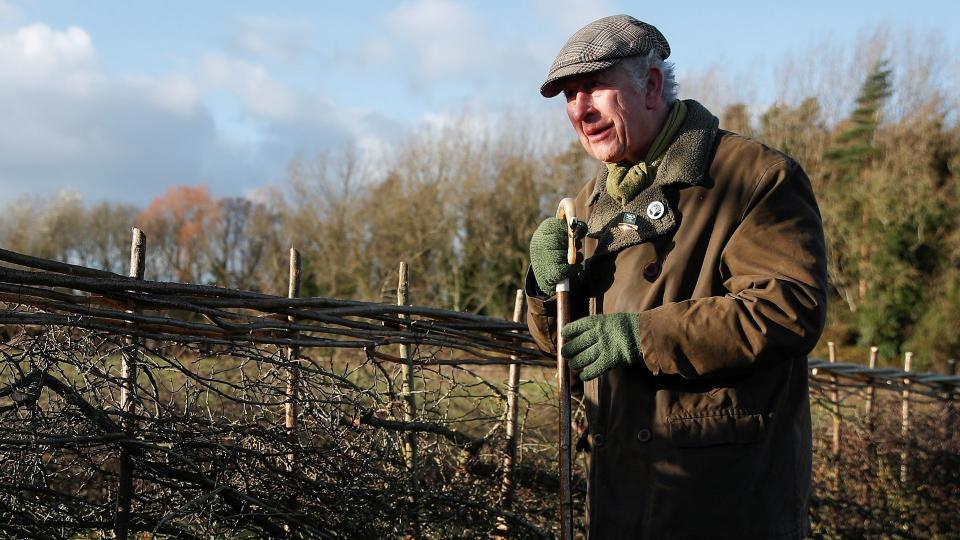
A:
x: 551, y: 86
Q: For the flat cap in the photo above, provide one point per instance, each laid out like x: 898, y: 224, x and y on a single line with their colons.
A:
x: 600, y: 45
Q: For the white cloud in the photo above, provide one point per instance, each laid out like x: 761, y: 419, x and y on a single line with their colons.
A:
x: 38, y: 54
x: 252, y: 84
x: 378, y: 50
x: 444, y: 37
x: 294, y: 121
x: 568, y: 16
x: 68, y: 124
x: 429, y: 42
x: 176, y: 94
x: 272, y: 38
x: 9, y: 14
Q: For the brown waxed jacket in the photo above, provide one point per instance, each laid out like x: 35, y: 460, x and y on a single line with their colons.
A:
x: 709, y: 437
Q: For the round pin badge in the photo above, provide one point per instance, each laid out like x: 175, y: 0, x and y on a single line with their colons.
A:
x: 655, y: 210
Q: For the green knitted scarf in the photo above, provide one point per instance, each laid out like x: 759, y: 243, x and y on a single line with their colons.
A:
x: 624, y: 181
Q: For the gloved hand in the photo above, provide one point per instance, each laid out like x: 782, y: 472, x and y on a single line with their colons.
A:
x: 548, y: 253
x: 598, y: 343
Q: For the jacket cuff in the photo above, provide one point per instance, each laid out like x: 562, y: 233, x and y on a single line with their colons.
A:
x: 650, y: 347
x: 541, y: 314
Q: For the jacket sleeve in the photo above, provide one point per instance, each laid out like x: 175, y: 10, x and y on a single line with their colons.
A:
x: 774, y: 270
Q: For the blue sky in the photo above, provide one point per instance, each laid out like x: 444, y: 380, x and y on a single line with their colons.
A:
x: 121, y: 99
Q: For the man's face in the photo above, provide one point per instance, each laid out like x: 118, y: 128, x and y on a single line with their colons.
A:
x: 613, y: 120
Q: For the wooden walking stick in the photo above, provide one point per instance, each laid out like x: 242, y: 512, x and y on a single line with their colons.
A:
x: 565, y: 212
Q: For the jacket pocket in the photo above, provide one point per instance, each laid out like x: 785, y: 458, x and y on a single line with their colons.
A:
x: 708, y: 428
x: 705, y: 413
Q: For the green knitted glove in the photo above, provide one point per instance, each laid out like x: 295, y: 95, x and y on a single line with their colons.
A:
x: 548, y: 253
x: 599, y: 343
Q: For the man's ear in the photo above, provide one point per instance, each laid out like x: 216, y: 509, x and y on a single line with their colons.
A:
x: 654, y: 88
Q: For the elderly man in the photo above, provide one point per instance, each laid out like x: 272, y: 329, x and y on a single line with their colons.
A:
x: 701, y: 291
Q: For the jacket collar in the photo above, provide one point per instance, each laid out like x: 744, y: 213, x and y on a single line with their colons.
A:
x: 684, y: 164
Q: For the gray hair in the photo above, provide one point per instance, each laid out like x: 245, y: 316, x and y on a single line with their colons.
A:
x: 638, y: 67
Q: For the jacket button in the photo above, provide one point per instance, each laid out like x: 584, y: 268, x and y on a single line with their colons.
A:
x: 644, y: 435
x: 651, y: 270
x: 596, y: 440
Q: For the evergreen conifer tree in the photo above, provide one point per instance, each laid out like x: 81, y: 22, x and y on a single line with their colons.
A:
x: 847, y: 161
x: 854, y: 147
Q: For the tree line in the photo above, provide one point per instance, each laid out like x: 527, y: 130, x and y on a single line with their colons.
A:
x: 460, y: 205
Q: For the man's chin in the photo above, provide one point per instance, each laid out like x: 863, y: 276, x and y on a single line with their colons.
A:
x: 607, y: 157
x: 602, y: 152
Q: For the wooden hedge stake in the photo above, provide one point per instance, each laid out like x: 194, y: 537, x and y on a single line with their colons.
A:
x: 128, y: 389
x: 905, y: 421
x: 513, y: 398
x: 292, y: 352
x: 872, y: 456
x: 835, y: 409
x: 409, y: 400
x: 868, y: 406
x: 950, y: 411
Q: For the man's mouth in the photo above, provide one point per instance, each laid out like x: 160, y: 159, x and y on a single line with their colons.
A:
x: 597, y: 132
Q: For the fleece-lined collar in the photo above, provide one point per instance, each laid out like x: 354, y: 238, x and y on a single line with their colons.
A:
x: 684, y: 163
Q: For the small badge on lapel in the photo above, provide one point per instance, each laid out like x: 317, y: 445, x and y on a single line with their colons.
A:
x: 628, y: 220
x: 655, y: 210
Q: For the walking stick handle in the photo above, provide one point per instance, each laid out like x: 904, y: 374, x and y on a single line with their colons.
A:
x: 566, y: 211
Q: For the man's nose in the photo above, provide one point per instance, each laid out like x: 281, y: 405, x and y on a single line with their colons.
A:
x: 581, y: 106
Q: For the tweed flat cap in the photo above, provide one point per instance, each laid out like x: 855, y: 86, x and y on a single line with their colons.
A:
x: 600, y: 45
